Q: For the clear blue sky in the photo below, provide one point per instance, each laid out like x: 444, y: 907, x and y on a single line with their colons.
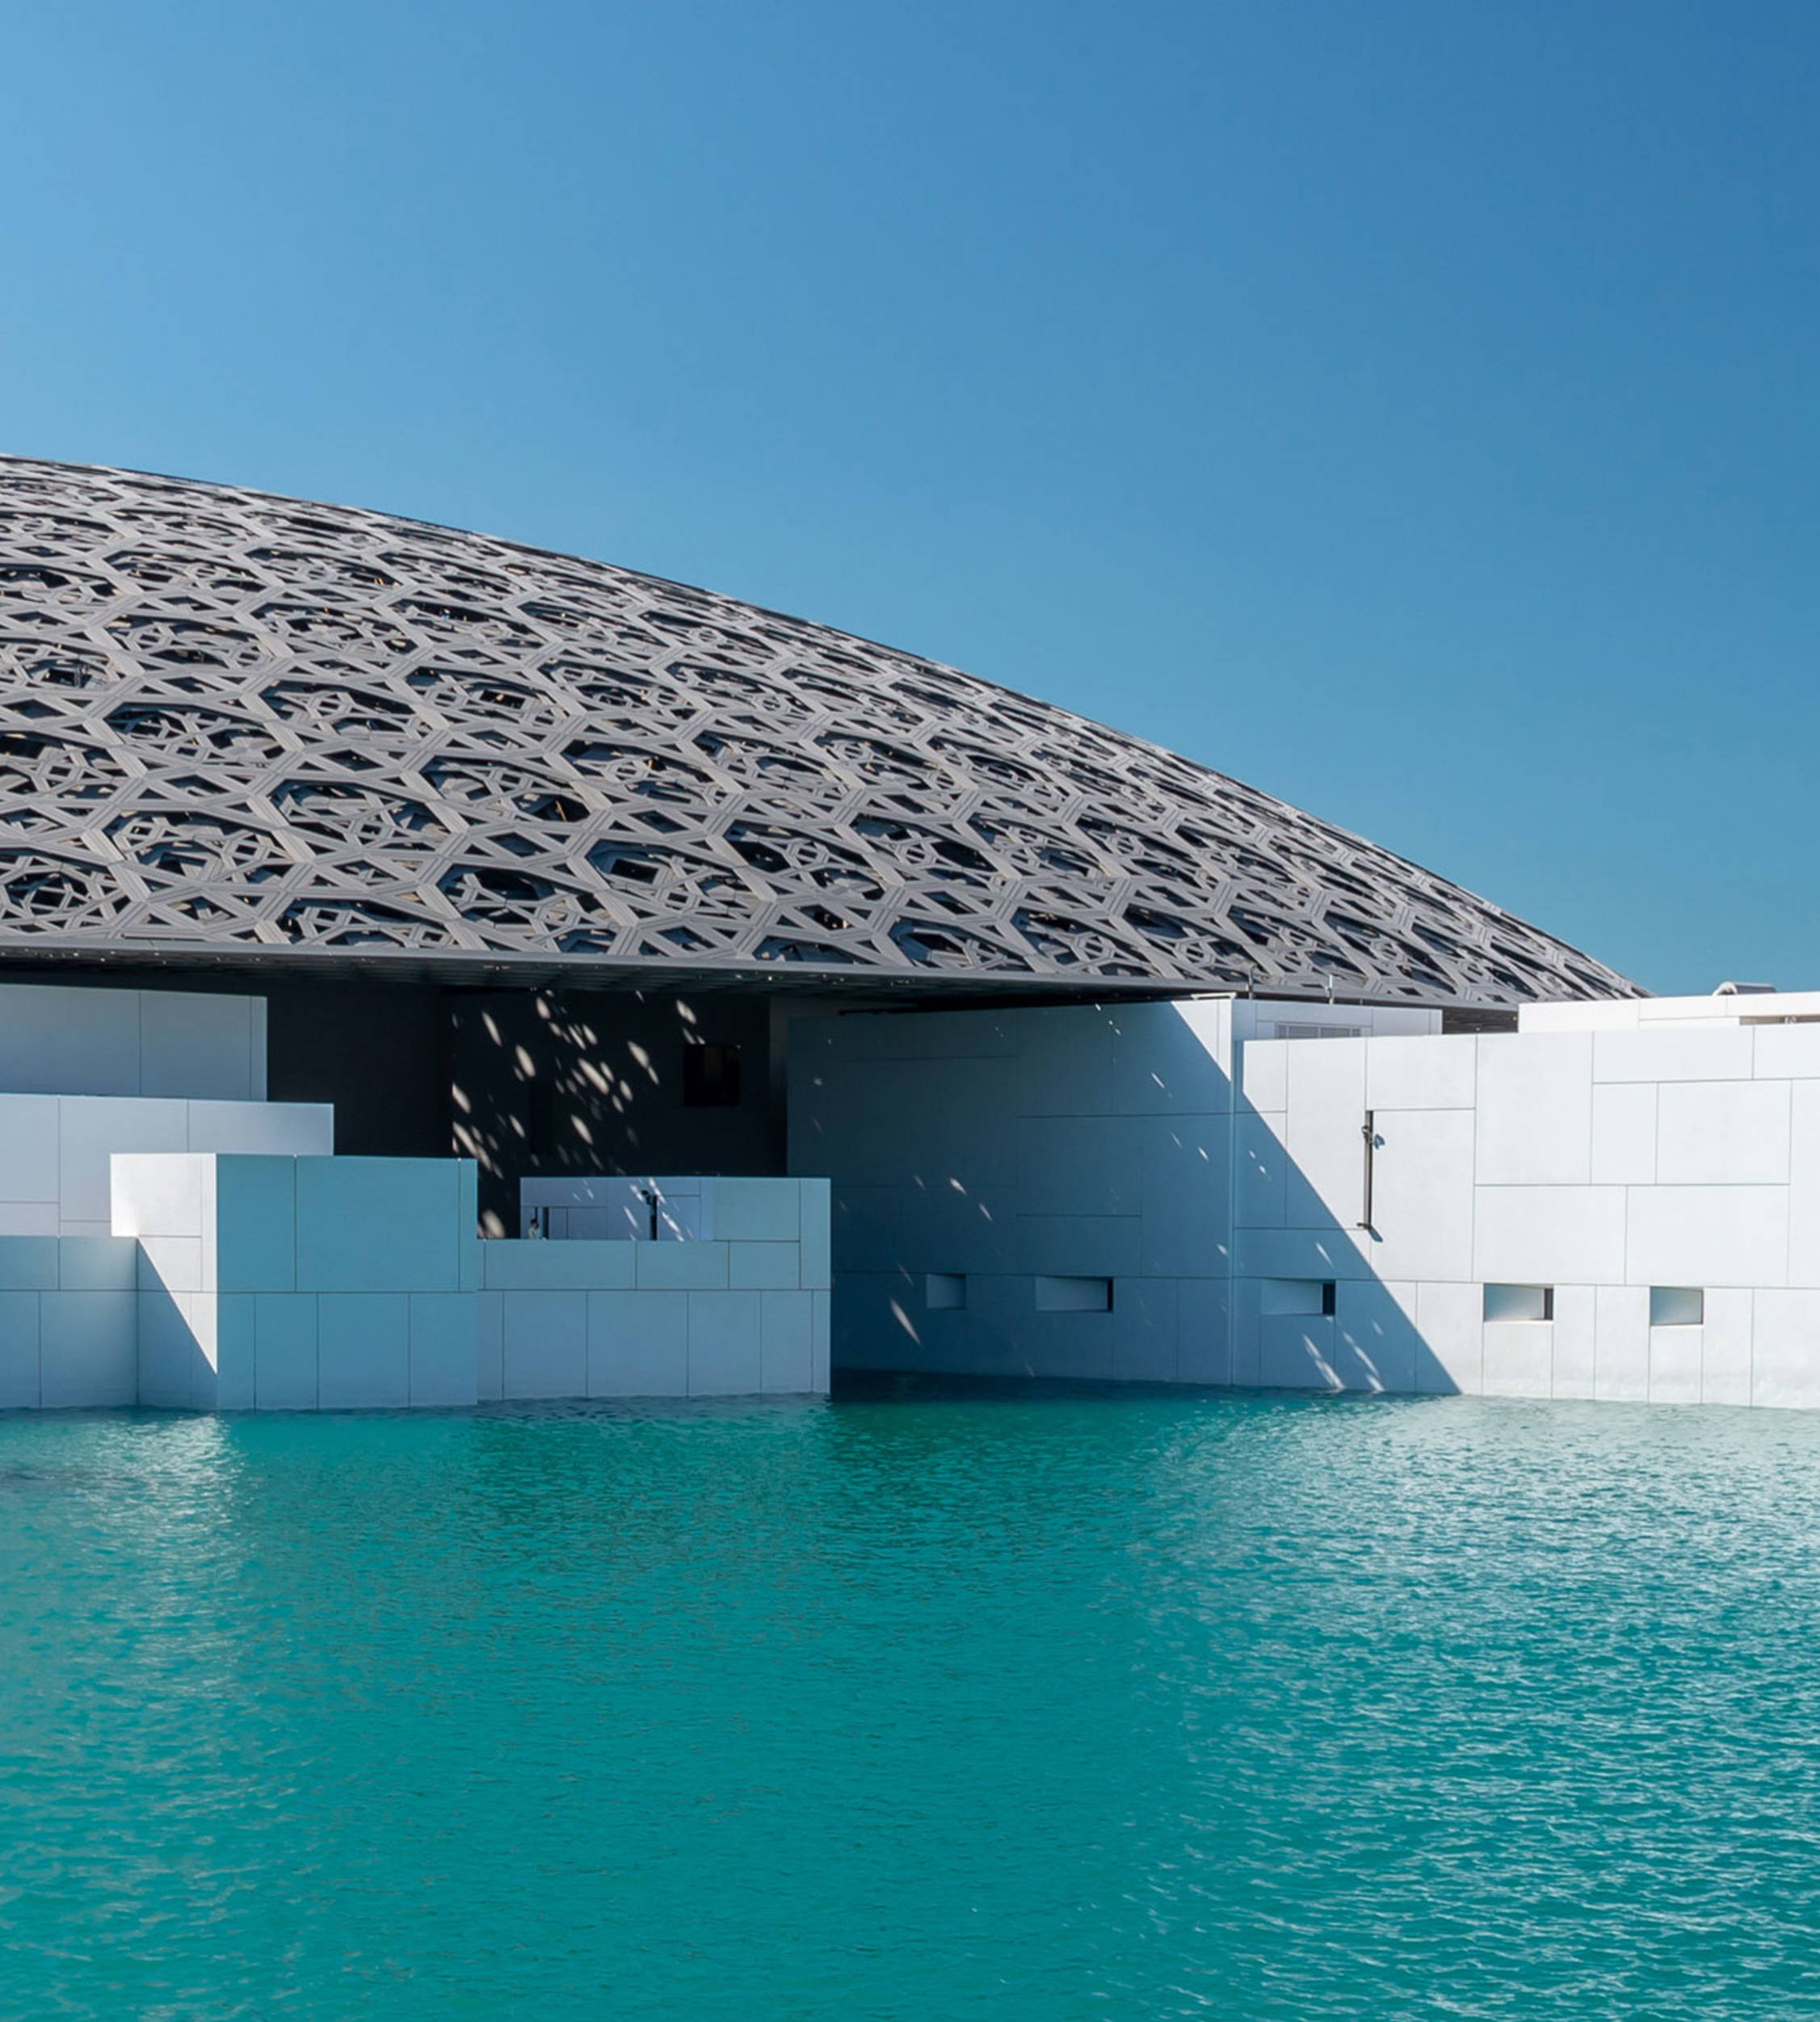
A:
x: 1410, y: 408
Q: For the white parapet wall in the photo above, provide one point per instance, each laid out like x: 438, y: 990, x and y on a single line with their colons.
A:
x: 743, y: 1312
x: 71, y: 1038
x: 1616, y: 1202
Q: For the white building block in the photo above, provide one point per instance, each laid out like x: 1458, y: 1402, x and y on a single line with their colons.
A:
x: 512, y: 1266
x: 490, y: 1345
x: 637, y: 1344
x: 1421, y: 1073
x: 757, y: 1210
x: 1575, y: 1369
x: 377, y: 1225
x: 363, y: 1351
x: 680, y: 1267
x: 1145, y: 1330
x: 91, y: 1132
x: 1173, y: 1059
x: 814, y: 1267
x: 236, y: 1351
x: 1302, y: 1253
x: 28, y: 1147
x: 1786, y: 1052
x: 1719, y: 1053
x: 1675, y: 1356
x: 1421, y: 1193
x: 1295, y: 1351
x: 1707, y: 1236
x: 1375, y: 1342
x: 284, y: 1377
x: 88, y: 1350
x: 1785, y: 1348
x: 57, y: 1038
x: 1263, y: 1072
x: 1725, y: 1373
x: 256, y: 1226
x: 1261, y: 1166
x: 443, y: 1365
x: 821, y: 1306
x: 30, y: 1263
x: 19, y: 1349
x: 725, y: 1357
x: 1535, y: 1109
x: 1519, y: 1358
x: 1079, y: 1166
x: 1722, y: 1134
x: 274, y: 1130
x: 546, y: 1344
x: 1624, y: 1133
x: 1548, y: 1235
x: 1186, y: 1196
x: 1451, y: 1320
x: 786, y: 1342
x: 1622, y: 1376
x: 770, y: 1267
x: 1803, y: 1184
x: 1325, y: 1184
x: 31, y: 1218
x: 157, y: 1194
x: 192, y: 1043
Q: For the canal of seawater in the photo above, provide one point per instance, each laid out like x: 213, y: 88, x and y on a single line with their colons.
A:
x: 1123, y: 1706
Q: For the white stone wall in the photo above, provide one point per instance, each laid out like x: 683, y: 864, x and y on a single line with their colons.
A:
x: 1599, y: 1160
x: 54, y: 1150
x: 744, y: 1312
x: 69, y: 1323
x: 1043, y: 1192
x: 60, y: 1039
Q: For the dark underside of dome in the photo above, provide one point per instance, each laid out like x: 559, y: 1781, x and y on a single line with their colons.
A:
x: 242, y: 731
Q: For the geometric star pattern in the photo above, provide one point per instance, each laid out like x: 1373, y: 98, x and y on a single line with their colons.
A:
x: 244, y: 724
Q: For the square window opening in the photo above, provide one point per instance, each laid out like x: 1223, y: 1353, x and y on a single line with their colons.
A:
x: 1677, y: 1306
x: 1520, y: 1302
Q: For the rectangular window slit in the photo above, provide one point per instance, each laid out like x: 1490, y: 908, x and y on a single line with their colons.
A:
x: 1677, y: 1306
x: 1520, y: 1302
x: 1074, y: 1295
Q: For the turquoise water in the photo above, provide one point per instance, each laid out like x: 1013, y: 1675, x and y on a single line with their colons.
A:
x: 1101, y: 1706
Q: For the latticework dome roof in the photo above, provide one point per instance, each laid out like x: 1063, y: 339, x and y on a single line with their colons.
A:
x: 241, y: 724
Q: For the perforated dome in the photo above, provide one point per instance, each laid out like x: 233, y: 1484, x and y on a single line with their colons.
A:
x: 243, y: 726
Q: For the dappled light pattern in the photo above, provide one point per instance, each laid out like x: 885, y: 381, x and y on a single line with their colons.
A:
x: 231, y: 721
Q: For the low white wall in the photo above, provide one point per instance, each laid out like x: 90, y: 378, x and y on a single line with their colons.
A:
x: 55, y: 1150
x: 745, y: 1314
x: 69, y: 1323
x: 61, y: 1039
x: 1599, y: 1162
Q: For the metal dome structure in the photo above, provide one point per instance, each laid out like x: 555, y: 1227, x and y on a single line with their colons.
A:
x: 238, y: 726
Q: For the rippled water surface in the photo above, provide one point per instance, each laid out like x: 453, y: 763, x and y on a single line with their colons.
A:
x: 1102, y: 1705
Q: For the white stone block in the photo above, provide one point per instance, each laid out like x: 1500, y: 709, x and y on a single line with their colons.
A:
x: 1706, y: 1052
x: 1790, y: 1052
x: 546, y: 1344
x: 88, y: 1350
x: 1302, y: 1253
x: 770, y: 1267
x: 1186, y: 1197
x: 489, y: 1347
x: 172, y: 1373
x: 1264, y: 1071
x: 1548, y: 1235
x: 1724, y: 1371
x: 173, y: 1263
x: 1326, y: 1182
x: 1375, y: 1337
x: 1169, y: 1059
x: 363, y: 1349
x: 724, y: 1354
x: 1624, y: 1133
x: 1204, y: 1348
x: 194, y: 1043
x: 19, y: 1351
x: 156, y: 1194
x: 236, y: 1351
x: 1804, y: 1187
x: 786, y: 1342
x: 271, y: 1130
x: 508, y: 1265
x: 28, y: 1147
x: 97, y: 1263
x: 38, y: 1218
x: 56, y: 1038
x: 1722, y: 1134
x: 443, y: 1333
x: 1674, y: 1365
x: 1076, y: 1245
x: 1262, y: 1166
x: 1421, y: 1073
x: 1786, y: 1360
x: 377, y: 1225
x: 637, y: 1344
x: 1295, y: 1350
x: 1062, y: 1344
x: 1519, y: 1358
x: 1079, y: 1166
x: 1622, y: 1376
x: 1245, y: 1343
x: 284, y: 1326
x: 1576, y: 1342
x: 1535, y: 1108
x: 756, y: 1211
x: 679, y: 1267
x: 1707, y: 1236
x: 1145, y: 1330
x: 30, y: 1263
x: 1421, y: 1193
x: 1451, y: 1320
x: 1064, y: 1060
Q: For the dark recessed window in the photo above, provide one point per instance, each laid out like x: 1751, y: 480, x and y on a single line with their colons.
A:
x: 711, y: 1077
